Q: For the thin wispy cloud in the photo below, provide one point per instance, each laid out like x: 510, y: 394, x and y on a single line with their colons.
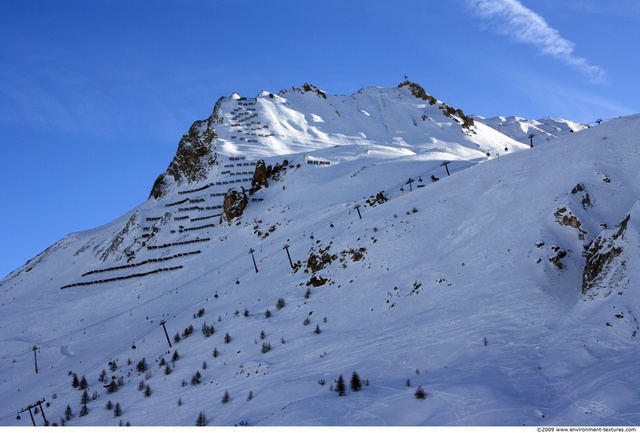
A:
x: 512, y: 18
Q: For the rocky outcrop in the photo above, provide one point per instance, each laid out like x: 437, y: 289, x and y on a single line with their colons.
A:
x: 418, y: 92
x: 308, y: 88
x: 195, y: 155
x: 235, y: 202
x: 126, y: 235
x: 566, y: 218
x: 259, y: 180
x: 379, y: 198
x: 601, y: 255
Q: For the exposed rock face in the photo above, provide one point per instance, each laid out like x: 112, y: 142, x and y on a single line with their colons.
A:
x: 566, y: 218
x: 418, y: 92
x: 601, y: 254
x: 194, y: 157
x: 259, y: 177
x: 234, y: 203
x: 380, y: 198
x: 308, y: 88
x: 123, y: 236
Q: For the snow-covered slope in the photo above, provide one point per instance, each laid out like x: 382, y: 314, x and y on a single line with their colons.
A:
x: 544, y: 130
x: 507, y: 290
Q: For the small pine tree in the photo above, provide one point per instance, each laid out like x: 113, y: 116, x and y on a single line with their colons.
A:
x: 341, y: 388
x: 68, y: 413
x: 317, y: 330
x: 420, y: 393
x: 113, y: 366
x: 306, y: 322
x: 167, y: 370
x: 85, y: 397
x: 307, y: 295
x: 202, y: 420
x: 84, y: 410
x: 266, y: 347
x: 204, y: 365
x: 215, y: 352
x: 103, y: 376
x: 280, y: 304
x: 227, y: 338
x: 207, y: 330
x: 162, y: 362
x: 246, y: 313
x: 225, y: 397
x: 142, y: 366
x: 356, y: 383
x: 175, y: 356
x: 195, y: 379
x: 109, y: 405
x: 75, y: 382
x: 177, y: 338
x: 117, y: 411
x: 147, y: 391
x: 408, y: 383
x: 267, y: 313
x: 141, y: 385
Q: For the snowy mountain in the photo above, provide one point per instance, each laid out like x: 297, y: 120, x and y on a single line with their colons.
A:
x: 301, y: 236
x: 532, y: 131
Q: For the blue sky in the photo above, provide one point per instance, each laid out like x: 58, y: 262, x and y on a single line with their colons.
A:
x: 95, y: 95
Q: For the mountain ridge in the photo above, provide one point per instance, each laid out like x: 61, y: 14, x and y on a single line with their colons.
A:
x: 273, y: 125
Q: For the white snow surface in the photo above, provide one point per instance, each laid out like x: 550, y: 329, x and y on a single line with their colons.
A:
x: 455, y: 285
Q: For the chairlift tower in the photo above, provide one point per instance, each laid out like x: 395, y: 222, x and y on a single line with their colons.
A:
x: 286, y: 248
x: 251, y: 251
x: 445, y: 163
x: 409, y: 182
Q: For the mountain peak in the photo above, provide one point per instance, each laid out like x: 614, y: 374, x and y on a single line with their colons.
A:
x: 282, y: 124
